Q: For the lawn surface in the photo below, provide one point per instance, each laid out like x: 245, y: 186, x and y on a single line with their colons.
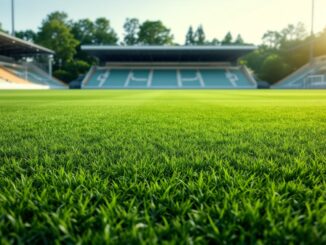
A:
x: 182, y: 167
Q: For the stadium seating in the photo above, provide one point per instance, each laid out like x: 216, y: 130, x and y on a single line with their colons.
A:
x: 116, y: 78
x: 6, y: 84
x: 310, y: 76
x: 138, y: 79
x: 97, y: 79
x: 190, y: 79
x: 242, y: 81
x: 7, y: 76
x: 215, y: 78
x: 164, y: 79
x: 28, y: 75
x: 184, y: 78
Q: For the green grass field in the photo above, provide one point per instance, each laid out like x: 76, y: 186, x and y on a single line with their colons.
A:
x: 180, y: 167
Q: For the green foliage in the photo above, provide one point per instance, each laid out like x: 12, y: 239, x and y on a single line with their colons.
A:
x: 146, y: 33
x: 72, y: 70
x: 271, y: 64
x: 168, y: 167
x: 55, y: 34
x: 294, y: 32
x: 254, y: 60
x: 98, y: 32
x: 215, y: 41
x: 64, y: 75
x: 154, y: 33
x: 228, y: 39
x: 282, y: 53
x: 88, y: 32
x: 103, y: 33
x: 239, y: 40
x: 199, y: 36
x: 131, y: 28
x: 61, y: 34
x: 27, y: 35
x: 190, y: 38
x: 272, y: 39
x: 84, y: 31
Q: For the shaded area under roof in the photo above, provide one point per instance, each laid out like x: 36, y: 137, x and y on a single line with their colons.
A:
x: 15, y: 47
x: 168, y: 53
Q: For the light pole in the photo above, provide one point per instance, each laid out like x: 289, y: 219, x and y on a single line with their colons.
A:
x: 312, y: 31
x: 13, y: 17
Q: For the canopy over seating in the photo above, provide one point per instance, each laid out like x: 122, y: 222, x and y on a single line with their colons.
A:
x: 168, y: 53
x: 15, y: 47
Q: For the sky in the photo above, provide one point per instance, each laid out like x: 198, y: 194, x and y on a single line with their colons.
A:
x: 250, y: 18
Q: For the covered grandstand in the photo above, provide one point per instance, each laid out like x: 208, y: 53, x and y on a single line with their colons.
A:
x: 310, y: 76
x: 166, y: 67
x: 17, y: 69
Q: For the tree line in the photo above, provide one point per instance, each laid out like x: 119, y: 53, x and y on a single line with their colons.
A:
x: 283, y: 52
x: 280, y: 53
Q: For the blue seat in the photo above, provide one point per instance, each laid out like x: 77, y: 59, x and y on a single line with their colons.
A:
x: 139, y: 79
x: 215, y: 78
x: 94, y: 81
x: 165, y: 79
x: 116, y: 79
x: 189, y: 79
x: 243, y: 81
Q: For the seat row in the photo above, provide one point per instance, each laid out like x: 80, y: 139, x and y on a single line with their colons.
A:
x: 168, y: 78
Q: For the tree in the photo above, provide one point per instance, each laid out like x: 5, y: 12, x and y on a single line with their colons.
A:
x: 131, y: 28
x: 98, y: 32
x: 239, y: 40
x: 288, y: 33
x: 72, y: 70
x: 300, y: 31
x: 83, y: 30
x: 55, y: 34
x: 227, y: 40
x: 273, y: 39
x: 200, y: 36
x: 190, y: 39
x: 28, y: 35
x: 103, y: 33
x: 215, y: 41
x: 154, y: 33
x: 273, y: 69
x: 89, y: 32
x: 254, y: 60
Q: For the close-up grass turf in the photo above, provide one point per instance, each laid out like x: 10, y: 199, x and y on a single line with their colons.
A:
x: 177, y: 167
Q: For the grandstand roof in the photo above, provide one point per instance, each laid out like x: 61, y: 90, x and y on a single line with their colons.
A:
x: 168, y: 53
x: 12, y: 46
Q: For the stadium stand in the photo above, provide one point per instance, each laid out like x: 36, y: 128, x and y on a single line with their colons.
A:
x: 223, y: 78
x: 17, y: 72
x: 310, y: 76
x: 114, y: 78
x: 28, y: 74
x: 203, y: 67
x: 164, y: 79
x: 190, y: 78
x: 138, y: 79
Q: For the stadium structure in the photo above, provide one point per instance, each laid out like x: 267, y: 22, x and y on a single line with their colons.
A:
x: 168, y: 67
x: 310, y: 76
x: 18, y: 66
